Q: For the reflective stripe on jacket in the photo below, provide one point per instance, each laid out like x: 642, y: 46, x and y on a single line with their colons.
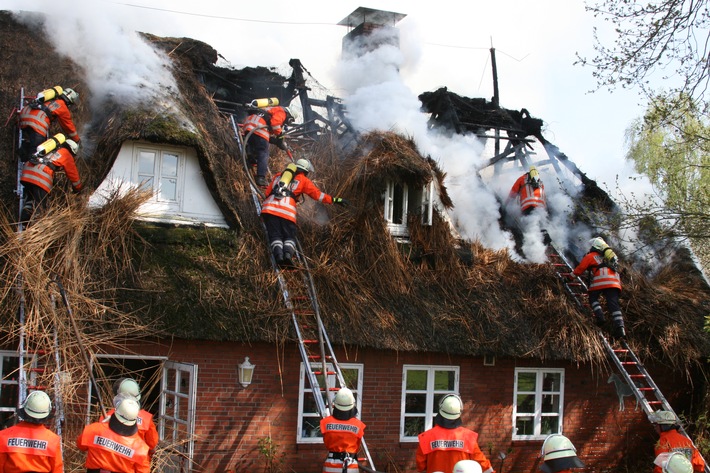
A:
x: 527, y: 194
x: 440, y: 449
x: 110, y: 451
x: 42, y: 175
x: 30, y: 447
x: 255, y: 121
x: 285, y: 207
x: 341, y: 436
x: 602, y: 276
x: 39, y: 121
x: 674, y: 441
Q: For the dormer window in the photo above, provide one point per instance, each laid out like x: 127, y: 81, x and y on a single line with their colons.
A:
x: 401, y: 199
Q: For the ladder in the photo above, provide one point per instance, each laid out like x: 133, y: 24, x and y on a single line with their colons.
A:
x: 634, y: 373
x: 300, y: 298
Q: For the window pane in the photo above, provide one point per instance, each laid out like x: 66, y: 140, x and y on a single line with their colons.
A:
x: 168, y: 189
x: 444, y: 380
x: 310, y: 427
x: 416, y: 379
x: 146, y: 162
x: 309, y: 403
x: 551, y: 381
x: 415, y: 403
x: 169, y: 165
x: 413, y: 426
x: 527, y: 381
x: 550, y: 425
x: 350, y: 376
x: 398, y: 205
x: 526, y: 403
x: 550, y: 403
x: 524, y: 426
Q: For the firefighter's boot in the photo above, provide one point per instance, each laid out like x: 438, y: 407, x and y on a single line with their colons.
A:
x: 619, y: 330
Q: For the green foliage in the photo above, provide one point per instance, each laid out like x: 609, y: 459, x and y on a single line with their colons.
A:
x: 671, y: 145
x: 272, y: 456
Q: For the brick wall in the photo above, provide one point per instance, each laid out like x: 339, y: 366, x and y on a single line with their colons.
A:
x: 231, y: 420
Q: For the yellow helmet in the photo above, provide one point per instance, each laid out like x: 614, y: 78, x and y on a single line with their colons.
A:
x: 598, y: 243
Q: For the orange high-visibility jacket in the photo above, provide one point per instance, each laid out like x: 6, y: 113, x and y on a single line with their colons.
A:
x: 527, y: 194
x: 146, y: 427
x: 42, y: 175
x: 110, y: 451
x: 278, y: 117
x: 440, y: 449
x: 39, y: 120
x: 674, y: 441
x: 285, y: 207
x: 602, y: 276
x: 30, y: 447
x: 341, y: 436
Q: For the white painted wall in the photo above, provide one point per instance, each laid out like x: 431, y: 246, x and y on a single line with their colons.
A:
x: 194, y: 204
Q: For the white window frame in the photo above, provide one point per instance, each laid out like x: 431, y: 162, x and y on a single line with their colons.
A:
x: 539, y: 395
x: 304, y: 390
x: 432, y: 396
x: 397, y: 229
x: 156, y: 176
x: 428, y: 204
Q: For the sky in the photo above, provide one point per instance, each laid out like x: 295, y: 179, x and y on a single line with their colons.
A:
x: 443, y: 43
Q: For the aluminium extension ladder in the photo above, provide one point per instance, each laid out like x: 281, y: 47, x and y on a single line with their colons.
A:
x: 634, y: 373
x: 300, y: 298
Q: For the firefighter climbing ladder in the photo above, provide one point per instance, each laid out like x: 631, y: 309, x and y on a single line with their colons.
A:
x: 647, y: 393
x: 300, y: 298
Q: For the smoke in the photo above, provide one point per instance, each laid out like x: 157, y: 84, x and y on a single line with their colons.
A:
x: 116, y: 62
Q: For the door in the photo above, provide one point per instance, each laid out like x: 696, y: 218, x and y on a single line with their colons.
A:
x: 176, y: 424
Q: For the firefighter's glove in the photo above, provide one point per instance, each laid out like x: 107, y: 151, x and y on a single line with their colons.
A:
x: 76, y: 191
x: 278, y: 141
x: 340, y: 201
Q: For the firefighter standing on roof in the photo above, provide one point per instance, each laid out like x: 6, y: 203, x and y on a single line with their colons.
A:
x: 29, y: 446
x: 671, y: 440
x: 530, y: 191
x: 342, y: 434
x: 37, y: 116
x: 38, y: 174
x: 279, y: 210
x: 605, y: 280
x: 268, y: 127
x: 448, y: 442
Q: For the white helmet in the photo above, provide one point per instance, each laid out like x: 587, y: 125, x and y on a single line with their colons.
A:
x: 128, y: 386
x: 558, y: 454
x: 467, y: 466
x: 663, y: 418
x: 71, y: 96
x: 73, y: 146
x: 344, y: 399
x: 304, y: 165
x: 127, y: 411
x: 450, y: 407
x: 598, y: 243
x: 37, y: 405
x: 673, y: 462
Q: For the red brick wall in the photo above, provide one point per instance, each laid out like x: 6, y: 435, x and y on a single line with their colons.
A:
x: 231, y: 420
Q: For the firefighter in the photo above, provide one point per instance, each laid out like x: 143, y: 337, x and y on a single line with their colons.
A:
x: 146, y: 427
x: 606, y: 281
x: 448, y: 442
x: 38, y: 174
x: 279, y: 210
x: 673, y: 463
x: 114, y: 444
x: 559, y: 455
x: 268, y: 126
x: 530, y: 192
x: 37, y: 116
x: 671, y: 440
x: 30, y: 446
x: 342, y: 434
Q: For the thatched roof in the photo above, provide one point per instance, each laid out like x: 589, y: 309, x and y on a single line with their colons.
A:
x: 434, y: 294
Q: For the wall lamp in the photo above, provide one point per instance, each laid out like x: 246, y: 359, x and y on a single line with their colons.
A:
x: 246, y: 372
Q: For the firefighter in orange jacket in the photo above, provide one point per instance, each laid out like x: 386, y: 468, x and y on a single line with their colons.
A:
x: 448, y: 442
x: 114, y: 444
x: 342, y: 434
x: 605, y: 280
x: 38, y: 175
x: 671, y: 440
x: 279, y: 210
x: 37, y: 116
x: 29, y: 446
x: 530, y: 192
x: 266, y: 126
x: 146, y: 427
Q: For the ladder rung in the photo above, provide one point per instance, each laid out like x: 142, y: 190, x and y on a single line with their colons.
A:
x: 41, y: 388
x: 646, y: 389
x: 629, y: 363
x: 637, y: 376
x: 655, y: 402
x: 318, y: 373
x: 310, y: 341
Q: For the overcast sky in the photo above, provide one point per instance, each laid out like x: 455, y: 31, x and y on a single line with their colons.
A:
x: 442, y: 43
